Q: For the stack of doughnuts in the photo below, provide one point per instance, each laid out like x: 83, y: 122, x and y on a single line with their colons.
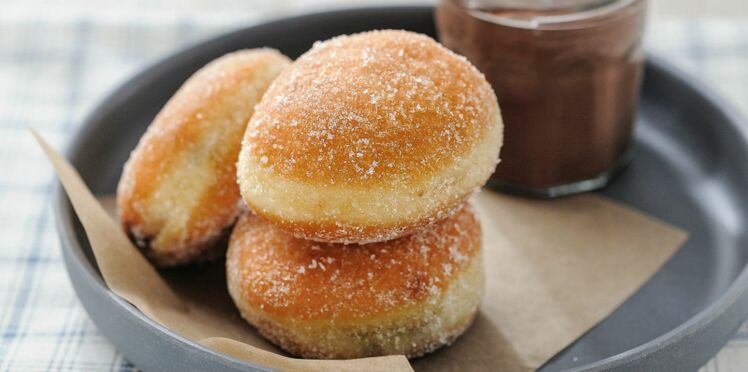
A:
x: 358, y: 163
x: 343, y: 179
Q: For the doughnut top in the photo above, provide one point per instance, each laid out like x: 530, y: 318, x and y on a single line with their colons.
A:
x: 371, y: 107
x: 289, y: 277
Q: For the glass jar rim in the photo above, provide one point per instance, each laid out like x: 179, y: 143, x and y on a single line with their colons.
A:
x: 586, y: 17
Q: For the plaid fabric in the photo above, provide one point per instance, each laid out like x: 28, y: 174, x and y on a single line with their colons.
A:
x: 53, y: 71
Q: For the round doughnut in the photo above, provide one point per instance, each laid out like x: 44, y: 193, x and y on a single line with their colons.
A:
x: 369, y: 137
x: 178, y: 197
x: 406, y: 296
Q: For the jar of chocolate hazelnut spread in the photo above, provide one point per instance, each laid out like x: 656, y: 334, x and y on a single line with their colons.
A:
x: 567, y: 76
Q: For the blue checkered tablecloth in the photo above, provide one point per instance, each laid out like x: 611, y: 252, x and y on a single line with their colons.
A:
x: 53, y: 70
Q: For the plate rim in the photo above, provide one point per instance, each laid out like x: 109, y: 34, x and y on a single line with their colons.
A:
x: 735, y: 297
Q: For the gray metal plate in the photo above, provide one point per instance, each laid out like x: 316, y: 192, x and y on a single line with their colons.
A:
x: 689, y: 170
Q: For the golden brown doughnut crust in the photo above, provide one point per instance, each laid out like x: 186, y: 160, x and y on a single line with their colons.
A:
x: 372, y: 107
x: 178, y: 196
x: 327, y: 300
x: 377, y: 112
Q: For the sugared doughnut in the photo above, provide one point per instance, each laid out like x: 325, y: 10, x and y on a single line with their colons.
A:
x: 325, y: 300
x: 178, y: 194
x: 369, y: 137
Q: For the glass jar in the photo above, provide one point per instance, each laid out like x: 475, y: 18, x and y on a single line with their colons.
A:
x: 567, y: 74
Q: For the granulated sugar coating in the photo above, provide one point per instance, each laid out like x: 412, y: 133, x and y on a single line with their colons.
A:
x: 367, y: 137
x: 311, y: 298
x: 380, y: 106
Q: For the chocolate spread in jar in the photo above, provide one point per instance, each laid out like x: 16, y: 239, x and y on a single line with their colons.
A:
x: 567, y: 80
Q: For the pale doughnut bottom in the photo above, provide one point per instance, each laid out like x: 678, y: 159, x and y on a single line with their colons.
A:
x: 349, y: 214
x: 412, y: 331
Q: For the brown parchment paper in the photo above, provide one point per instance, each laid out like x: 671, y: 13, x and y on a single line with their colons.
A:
x: 554, y: 269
